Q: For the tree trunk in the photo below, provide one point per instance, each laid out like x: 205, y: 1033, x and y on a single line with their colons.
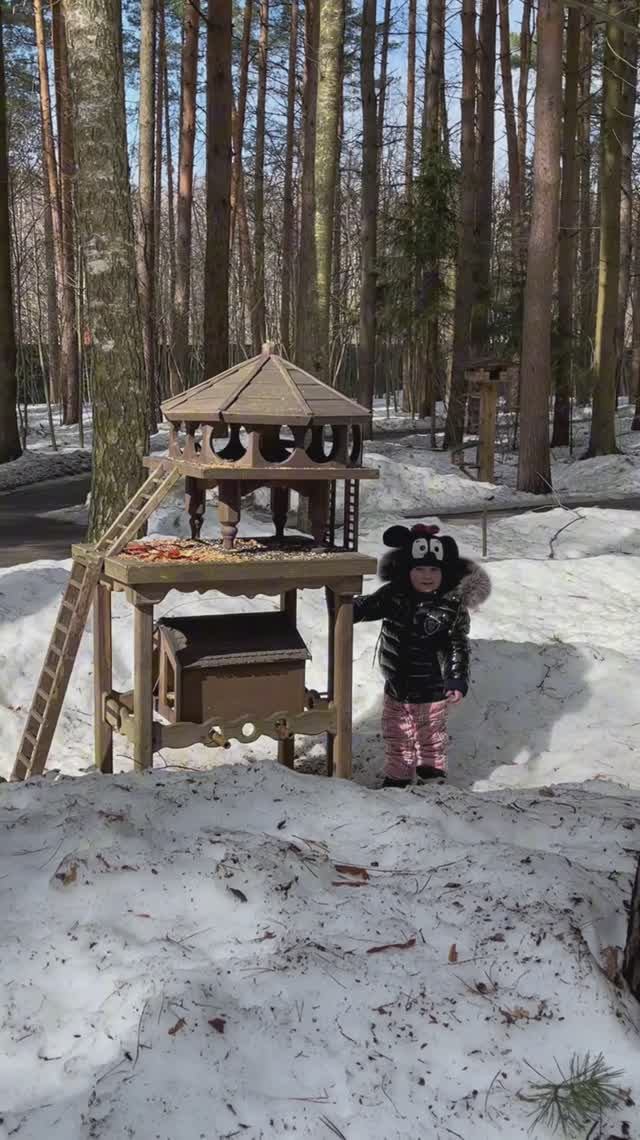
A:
x: 367, y: 353
x: 454, y: 428
x: 586, y: 236
x: 384, y: 65
x: 171, y: 220
x: 513, y: 156
x: 409, y: 393
x: 9, y: 437
x: 411, y: 97
x: 54, y: 372
x: 180, y: 371
x: 157, y: 315
x: 534, y: 471
x: 526, y: 39
x: 330, y: 60
x: 635, y: 335
x: 288, y: 214
x: 120, y: 396
x: 239, y: 116
x: 259, y: 239
x: 238, y: 197
x: 484, y: 179
x: 603, y: 423
x: 219, y: 103
x: 568, y: 237
x: 631, y: 967
x: 55, y: 267
x: 305, y: 330
x: 629, y: 74
x: 429, y: 348
x: 146, y: 186
x: 70, y: 361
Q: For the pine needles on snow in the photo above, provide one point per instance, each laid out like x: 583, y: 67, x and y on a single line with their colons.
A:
x: 578, y: 1098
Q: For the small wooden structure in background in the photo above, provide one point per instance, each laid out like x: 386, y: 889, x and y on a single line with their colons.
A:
x: 487, y: 379
x: 263, y: 423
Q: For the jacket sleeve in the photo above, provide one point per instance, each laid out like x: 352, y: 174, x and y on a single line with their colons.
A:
x: 372, y: 607
x: 456, y: 661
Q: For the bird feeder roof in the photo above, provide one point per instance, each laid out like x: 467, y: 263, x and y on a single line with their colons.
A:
x: 264, y: 390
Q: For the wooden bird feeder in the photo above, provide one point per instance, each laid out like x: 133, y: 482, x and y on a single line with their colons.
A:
x: 487, y: 379
x: 221, y: 677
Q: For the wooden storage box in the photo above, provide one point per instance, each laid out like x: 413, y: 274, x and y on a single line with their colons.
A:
x: 231, y: 665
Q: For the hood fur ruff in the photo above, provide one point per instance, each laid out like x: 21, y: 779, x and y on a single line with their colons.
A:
x: 472, y: 582
x: 475, y: 586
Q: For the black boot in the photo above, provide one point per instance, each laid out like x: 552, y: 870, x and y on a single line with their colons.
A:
x: 426, y: 772
x: 389, y: 782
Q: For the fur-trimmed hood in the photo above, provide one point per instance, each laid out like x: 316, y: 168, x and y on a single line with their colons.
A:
x: 467, y: 579
x: 475, y: 585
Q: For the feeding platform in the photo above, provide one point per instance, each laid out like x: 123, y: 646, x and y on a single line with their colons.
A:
x: 215, y: 678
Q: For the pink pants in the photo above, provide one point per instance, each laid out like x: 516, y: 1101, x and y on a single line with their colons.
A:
x: 414, y: 735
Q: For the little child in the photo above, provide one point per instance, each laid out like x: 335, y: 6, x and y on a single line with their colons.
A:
x: 424, y: 645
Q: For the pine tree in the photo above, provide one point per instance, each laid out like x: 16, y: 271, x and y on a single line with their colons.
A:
x: 603, y: 422
x: 567, y: 245
x: 9, y: 438
x: 219, y: 104
x: 534, y: 471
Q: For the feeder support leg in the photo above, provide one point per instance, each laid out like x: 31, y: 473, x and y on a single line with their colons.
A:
x: 343, y: 681
x: 143, y: 685
x: 287, y: 748
x: 102, y: 679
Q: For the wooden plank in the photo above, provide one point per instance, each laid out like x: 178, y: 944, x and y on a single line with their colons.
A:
x: 143, y: 686
x: 343, y: 682
x: 264, y: 476
x: 183, y: 734
x: 102, y: 678
x: 304, y: 573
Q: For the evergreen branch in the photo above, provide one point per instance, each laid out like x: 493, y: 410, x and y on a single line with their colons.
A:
x: 577, y: 1099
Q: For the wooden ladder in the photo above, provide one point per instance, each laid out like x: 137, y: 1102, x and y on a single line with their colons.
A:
x: 71, y: 620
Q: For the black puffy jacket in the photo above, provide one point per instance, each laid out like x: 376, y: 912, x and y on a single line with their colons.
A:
x: 424, y: 645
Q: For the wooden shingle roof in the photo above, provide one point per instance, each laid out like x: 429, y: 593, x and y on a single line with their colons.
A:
x: 264, y: 390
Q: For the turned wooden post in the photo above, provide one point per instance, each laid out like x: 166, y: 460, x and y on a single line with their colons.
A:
x: 343, y: 681
x: 102, y: 678
x: 143, y: 685
x: 195, y: 502
x: 229, y: 511
x: 279, y: 509
x: 287, y: 748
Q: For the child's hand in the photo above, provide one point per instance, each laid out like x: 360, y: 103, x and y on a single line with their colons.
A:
x: 453, y: 696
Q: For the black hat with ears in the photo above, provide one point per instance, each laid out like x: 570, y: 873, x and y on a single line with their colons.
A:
x: 420, y: 546
x: 423, y: 545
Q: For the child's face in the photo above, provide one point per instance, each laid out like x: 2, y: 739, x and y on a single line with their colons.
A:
x: 425, y: 579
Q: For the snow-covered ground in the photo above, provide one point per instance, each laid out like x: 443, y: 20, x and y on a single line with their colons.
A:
x: 257, y: 954
x: 223, y: 948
